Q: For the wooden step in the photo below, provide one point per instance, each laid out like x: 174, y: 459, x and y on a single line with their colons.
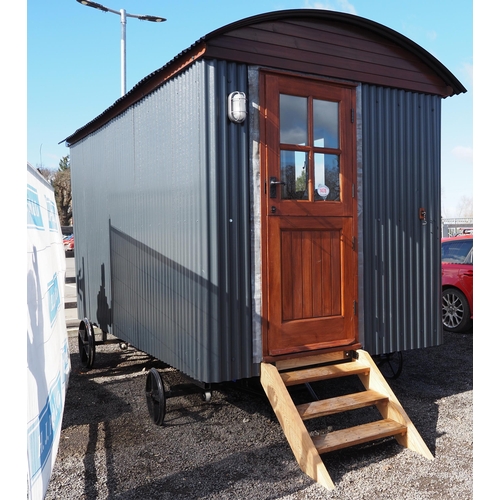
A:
x: 357, y: 435
x: 307, y: 449
x: 324, y: 373
x: 317, y: 359
x: 340, y: 404
x: 294, y: 428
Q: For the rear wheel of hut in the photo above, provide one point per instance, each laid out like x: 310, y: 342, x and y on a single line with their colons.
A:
x: 155, y: 396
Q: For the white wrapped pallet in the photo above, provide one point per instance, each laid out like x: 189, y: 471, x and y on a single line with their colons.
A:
x: 48, y: 360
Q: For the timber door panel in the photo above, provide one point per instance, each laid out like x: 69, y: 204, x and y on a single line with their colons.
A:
x: 309, y: 221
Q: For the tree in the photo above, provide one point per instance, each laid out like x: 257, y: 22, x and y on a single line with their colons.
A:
x: 46, y: 173
x: 64, y: 163
x: 62, y: 192
x: 60, y: 180
x: 465, y: 207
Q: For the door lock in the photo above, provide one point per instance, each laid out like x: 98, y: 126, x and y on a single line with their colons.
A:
x: 273, y: 182
x: 422, y: 215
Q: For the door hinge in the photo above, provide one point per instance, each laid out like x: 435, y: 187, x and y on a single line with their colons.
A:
x: 355, y: 308
x: 353, y: 191
x: 352, y: 115
x: 354, y: 242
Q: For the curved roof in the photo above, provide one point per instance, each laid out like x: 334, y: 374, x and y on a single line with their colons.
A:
x: 353, y: 20
x: 264, y: 38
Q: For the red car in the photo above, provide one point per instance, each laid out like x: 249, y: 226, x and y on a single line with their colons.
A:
x: 69, y: 243
x: 456, y: 266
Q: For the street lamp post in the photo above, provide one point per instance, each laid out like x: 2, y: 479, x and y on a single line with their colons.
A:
x: 123, y: 19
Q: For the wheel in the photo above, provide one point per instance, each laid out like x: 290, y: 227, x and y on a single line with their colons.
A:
x: 391, y: 365
x: 456, y: 311
x: 155, y: 396
x: 206, y: 396
x: 86, y: 343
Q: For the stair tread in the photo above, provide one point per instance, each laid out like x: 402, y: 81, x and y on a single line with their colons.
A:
x: 340, y: 404
x: 323, y: 373
x: 359, y: 434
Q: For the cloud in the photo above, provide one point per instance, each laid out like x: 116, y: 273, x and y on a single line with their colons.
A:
x: 432, y: 35
x: 346, y: 6
x: 462, y: 153
x: 339, y: 5
x: 467, y: 70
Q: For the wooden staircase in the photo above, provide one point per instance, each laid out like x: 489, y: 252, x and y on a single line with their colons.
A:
x: 276, y: 378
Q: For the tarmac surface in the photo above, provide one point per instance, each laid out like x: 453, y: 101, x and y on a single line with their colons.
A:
x: 232, y: 447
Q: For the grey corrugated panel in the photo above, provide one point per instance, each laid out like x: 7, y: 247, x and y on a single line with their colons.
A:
x: 401, y: 256
x: 92, y: 207
x: 234, y: 214
x: 154, y: 191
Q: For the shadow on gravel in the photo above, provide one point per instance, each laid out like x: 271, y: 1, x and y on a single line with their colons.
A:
x: 428, y: 375
x: 88, y: 402
x: 101, y: 400
x: 222, y: 479
x: 431, y: 374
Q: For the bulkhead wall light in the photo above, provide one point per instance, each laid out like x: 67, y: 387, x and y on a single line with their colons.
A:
x: 237, y: 107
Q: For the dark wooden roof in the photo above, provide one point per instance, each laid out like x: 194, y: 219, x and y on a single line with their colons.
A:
x: 319, y: 42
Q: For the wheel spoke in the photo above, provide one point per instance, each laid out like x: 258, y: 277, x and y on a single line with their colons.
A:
x: 454, y: 310
x: 155, y: 396
x: 391, y: 364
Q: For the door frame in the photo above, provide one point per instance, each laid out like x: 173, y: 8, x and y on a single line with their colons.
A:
x: 264, y: 175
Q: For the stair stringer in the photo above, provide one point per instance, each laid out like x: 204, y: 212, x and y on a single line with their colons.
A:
x: 393, y: 409
x: 298, y: 437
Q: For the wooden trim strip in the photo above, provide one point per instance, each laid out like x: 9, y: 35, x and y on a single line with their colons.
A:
x: 298, y: 437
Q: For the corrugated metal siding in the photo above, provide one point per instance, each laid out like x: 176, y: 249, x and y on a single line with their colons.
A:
x: 161, y: 207
x: 401, y: 256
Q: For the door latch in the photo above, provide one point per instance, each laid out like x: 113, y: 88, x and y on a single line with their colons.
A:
x: 273, y: 182
x: 422, y: 215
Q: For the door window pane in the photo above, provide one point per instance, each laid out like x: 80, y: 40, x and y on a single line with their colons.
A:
x: 293, y: 119
x: 294, y: 175
x: 326, y: 177
x: 326, y: 124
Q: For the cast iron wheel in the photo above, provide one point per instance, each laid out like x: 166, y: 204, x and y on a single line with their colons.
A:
x: 86, y: 343
x: 391, y: 364
x: 456, y: 311
x: 155, y: 396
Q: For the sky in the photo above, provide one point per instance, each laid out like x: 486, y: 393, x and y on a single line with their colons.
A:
x: 73, y: 63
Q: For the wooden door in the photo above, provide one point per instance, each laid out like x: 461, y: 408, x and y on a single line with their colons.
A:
x: 309, y: 215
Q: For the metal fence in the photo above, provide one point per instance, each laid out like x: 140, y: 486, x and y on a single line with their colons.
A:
x: 454, y: 227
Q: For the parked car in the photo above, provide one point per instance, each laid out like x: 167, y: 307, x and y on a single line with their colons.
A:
x: 456, y: 270
x: 69, y: 244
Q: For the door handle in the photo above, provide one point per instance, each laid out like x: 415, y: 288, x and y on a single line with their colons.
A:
x: 273, y: 182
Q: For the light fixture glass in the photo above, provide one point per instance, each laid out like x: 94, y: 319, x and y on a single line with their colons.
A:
x: 237, y: 107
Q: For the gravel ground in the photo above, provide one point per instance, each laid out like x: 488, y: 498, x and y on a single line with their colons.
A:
x: 232, y: 447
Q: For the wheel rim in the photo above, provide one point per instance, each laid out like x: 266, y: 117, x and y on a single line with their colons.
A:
x: 86, y: 343
x: 453, y: 310
x: 155, y: 396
